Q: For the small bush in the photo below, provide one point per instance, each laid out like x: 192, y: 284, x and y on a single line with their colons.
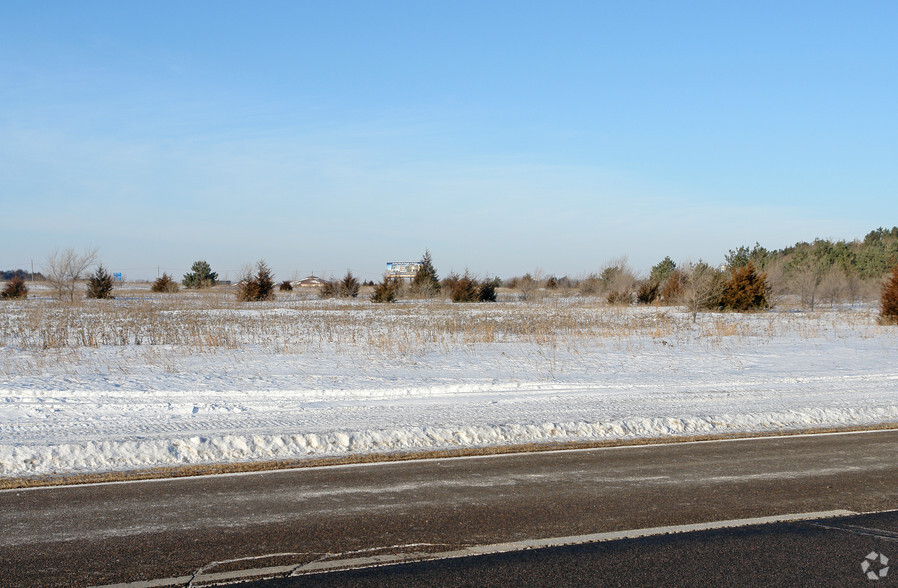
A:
x: 619, y: 298
x: 15, y: 289
x: 745, y: 290
x: 328, y: 289
x: 590, y: 285
x: 528, y: 286
x: 386, y: 291
x: 487, y: 291
x: 673, y: 287
x: 286, y: 286
x: 888, y: 312
x: 467, y: 288
x: 99, y: 285
x: 647, y: 291
x: 164, y: 284
x: 258, y: 287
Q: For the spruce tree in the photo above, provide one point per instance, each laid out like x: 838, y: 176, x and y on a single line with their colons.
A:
x: 386, y: 291
x: 200, y: 276
x: 662, y: 270
x: 258, y: 287
x: 426, y: 282
x: 99, y: 285
x: 349, y: 286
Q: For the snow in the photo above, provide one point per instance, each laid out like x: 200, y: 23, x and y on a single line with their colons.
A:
x: 306, y: 379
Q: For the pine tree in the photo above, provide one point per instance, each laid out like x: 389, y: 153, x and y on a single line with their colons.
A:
x: 349, y: 286
x: 200, y: 276
x: 426, y: 282
x: 258, y: 287
x: 99, y: 285
x: 662, y: 270
x: 386, y: 291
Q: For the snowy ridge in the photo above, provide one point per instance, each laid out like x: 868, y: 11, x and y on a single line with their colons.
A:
x: 147, y: 453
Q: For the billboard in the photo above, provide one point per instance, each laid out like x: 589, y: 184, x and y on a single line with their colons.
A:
x: 402, y: 269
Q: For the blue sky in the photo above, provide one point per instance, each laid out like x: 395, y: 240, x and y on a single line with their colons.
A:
x: 505, y: 137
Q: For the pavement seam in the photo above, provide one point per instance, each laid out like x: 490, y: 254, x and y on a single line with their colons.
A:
x: 856, y: 530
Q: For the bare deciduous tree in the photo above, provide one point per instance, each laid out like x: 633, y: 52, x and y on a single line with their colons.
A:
x: 63, y: 269
x: 702, y: 287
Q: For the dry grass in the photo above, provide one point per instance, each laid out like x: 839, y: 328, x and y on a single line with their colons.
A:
x: 39, y: 329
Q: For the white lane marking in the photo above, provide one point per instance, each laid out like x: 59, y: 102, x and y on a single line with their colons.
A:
x: 379, y: 560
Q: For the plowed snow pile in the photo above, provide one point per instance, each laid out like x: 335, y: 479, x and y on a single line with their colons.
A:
x: 307, y: 379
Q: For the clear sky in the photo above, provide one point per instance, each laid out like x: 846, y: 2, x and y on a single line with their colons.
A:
x: 505, y: 137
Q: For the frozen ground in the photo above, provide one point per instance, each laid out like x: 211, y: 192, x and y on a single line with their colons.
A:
x: 306, y: 393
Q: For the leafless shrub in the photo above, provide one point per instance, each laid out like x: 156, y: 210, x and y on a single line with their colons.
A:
x: 63, y: 269
x: 702, y: 288
x: 618, y: 282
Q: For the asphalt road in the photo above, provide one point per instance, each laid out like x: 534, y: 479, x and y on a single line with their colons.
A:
x: 843, y: 551
x: 106, y: 534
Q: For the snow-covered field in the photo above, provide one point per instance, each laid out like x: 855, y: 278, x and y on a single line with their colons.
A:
x: 149, y: 381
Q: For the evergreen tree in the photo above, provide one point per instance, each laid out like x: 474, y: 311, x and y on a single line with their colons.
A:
x: 426, y: 282
x: 662, y: 270
x: 99, y: 285
x: 200, y: 276
x: 746, y: 290
x: 258, y: 287
x: 164, y: 284
x: 386, y: 291
x: 349, y: 286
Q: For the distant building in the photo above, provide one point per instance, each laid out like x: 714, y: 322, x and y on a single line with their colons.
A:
x: 309, y: 282
x: 403, y: 270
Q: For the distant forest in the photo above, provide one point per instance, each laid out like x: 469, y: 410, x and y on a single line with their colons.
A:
x: 868, y: 259
x: 8, y: 275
